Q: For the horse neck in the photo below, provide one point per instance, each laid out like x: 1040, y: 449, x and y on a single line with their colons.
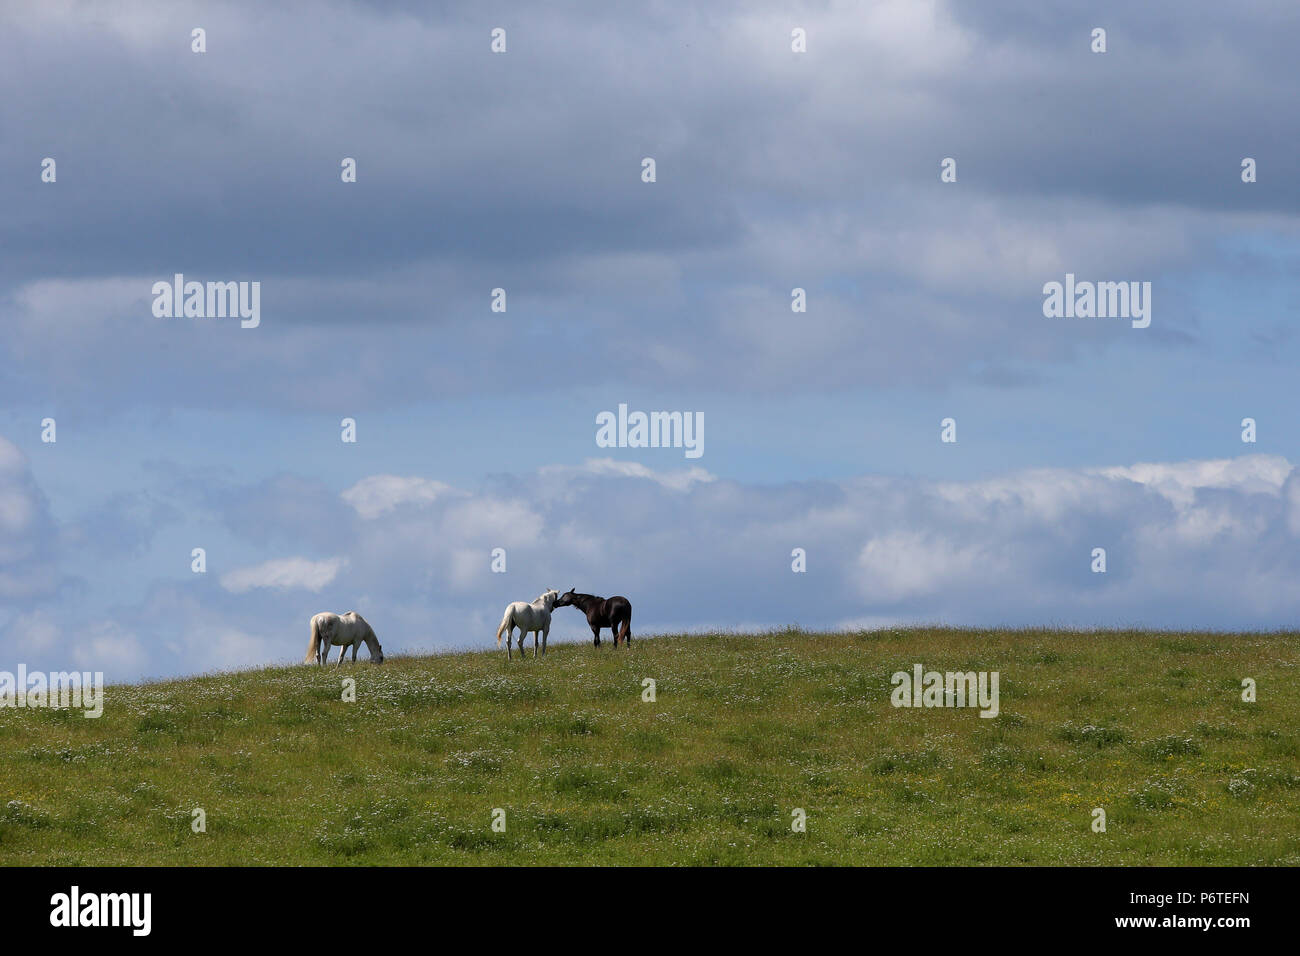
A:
x: 585, y: 602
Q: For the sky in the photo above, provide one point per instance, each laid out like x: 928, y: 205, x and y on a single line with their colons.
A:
x: 775, y: 169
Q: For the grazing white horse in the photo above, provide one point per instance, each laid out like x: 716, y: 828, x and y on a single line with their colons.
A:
x: 343, y: 631
x: 527, y: 617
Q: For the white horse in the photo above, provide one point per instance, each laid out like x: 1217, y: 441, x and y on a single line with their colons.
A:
x: 527, y: 617
x: 343, y: 631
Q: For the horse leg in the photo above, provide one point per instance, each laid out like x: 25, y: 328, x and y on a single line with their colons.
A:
x: 595, y: 633
x: 355, y: 647
x: 343, y: 649
x: 510, y: 636
x: 546, y: 630
x: 535, y: 645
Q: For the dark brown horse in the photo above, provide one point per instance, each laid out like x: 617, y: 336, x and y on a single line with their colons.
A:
x: 614, y: 613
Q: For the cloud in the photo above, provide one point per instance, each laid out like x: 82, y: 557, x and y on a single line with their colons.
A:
x: 775, y: 171
x: 763, y: 159
x: 284, y: 574
x: 1263, y: 474
x: 901, y: 565
x: 1189, y: 543
x: 679, y: 480
x: 379, y: 494
x: 27, y: 538
x: 1200, y: 543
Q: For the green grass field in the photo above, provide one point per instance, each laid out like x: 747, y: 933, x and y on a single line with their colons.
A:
x: 1149, y: 726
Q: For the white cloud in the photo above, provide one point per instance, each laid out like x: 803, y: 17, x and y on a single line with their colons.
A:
x: 283, y: 574
x: 902, y: 565
x: 1210, y: 543
x: 18, y: 504
x: 109, y: 647
x: 1179, y: 482
x: 1189, y: 543
x: 491, y: 519
x: 27, y: 567
x: 40, y: 631
x: 378, y: 494
x: 678, y: 480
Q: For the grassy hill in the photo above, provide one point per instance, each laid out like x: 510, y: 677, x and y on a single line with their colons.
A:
x: 1149, y: 726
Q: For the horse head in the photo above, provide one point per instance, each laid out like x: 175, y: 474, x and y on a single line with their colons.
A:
x: 566, y: 599
x: 372, y: 642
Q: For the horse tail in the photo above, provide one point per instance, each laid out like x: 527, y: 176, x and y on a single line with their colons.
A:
x: 625, y: 630
x: 313, y: 648
x: 505, y: 622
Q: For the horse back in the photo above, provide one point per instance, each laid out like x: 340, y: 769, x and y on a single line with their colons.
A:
x: 610, y: 609
x: 528, y: 615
